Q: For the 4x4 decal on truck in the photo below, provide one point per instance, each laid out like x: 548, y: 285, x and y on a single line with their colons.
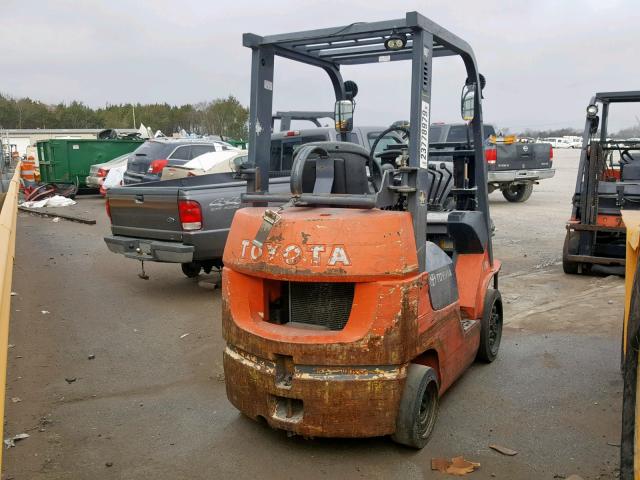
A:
x: 330, y: 255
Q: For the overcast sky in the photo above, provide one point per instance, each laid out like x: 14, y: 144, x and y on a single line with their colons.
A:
x: 543, y: 60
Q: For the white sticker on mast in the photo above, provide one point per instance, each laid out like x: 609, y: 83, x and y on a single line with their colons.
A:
x: 424, y: 135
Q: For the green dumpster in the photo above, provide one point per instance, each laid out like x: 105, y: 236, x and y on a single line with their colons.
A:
x: 69, y: 160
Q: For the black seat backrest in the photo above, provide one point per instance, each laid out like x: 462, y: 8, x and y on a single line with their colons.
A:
x: 468, y: 229
x: 343, y: 170
x: 631, y: 171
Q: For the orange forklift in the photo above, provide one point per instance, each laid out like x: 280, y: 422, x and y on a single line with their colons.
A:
x: 350, y: 308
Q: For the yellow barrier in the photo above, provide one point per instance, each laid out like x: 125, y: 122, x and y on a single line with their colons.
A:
x: 8, y: 214
x: 631, y: 219
x: 630, y: 445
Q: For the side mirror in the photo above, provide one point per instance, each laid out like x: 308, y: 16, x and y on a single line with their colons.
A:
x: 344, y: 116
x: 467, y: 102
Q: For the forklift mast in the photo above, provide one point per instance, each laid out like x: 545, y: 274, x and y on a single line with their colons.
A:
x: 586, y: 189
x: 414, y: 38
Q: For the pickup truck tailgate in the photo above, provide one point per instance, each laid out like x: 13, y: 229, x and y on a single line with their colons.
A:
x: 522, y: 156
x: 145, y: 213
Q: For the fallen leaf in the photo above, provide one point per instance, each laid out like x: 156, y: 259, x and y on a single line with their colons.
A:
x: 456, y: 466
x: 439, y: 464
x: 503, y: 450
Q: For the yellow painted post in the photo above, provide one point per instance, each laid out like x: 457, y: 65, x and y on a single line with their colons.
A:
x: 631, y: 219
x: 8, y: 214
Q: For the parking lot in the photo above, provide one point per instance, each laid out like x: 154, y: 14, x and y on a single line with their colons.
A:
x: 152, y: 403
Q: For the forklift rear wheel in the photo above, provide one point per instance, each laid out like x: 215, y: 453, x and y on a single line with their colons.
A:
x: 418, y: 407
x: 191, y: 269
x: 518, y: 193
x: 490, y: 327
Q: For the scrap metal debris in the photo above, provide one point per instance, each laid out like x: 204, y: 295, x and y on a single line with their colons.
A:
x: 503, y: 450
x: 11, y: 441
x: 70, y: 379
x: 54, y: 201
x: 456, y: 466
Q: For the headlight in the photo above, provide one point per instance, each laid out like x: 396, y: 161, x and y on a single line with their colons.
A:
x: 592, y: 111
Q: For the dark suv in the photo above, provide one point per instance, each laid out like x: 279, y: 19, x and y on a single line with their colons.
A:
x: 148, y: 160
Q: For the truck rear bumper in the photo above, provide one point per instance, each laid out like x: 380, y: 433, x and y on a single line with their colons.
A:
x: 150, y: 250
x: 315, y: 401
x: 508, y: 176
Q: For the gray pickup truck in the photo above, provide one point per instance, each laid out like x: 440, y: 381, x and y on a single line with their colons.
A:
x: 186, y: 220
x: 512, y: 168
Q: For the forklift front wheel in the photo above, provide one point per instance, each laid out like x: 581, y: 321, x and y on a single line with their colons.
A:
x: 571, y: 242
x: 490, y: 327
x: 418, y: 407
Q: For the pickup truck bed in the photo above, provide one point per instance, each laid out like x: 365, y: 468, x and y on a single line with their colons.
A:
x: 512, y: 168
x: 146, y: 224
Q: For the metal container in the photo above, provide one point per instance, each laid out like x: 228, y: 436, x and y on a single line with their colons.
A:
x: 69, y: 160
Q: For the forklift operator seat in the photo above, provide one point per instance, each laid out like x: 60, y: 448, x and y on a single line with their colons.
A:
x: 631, y: 167
x: 330, y: 167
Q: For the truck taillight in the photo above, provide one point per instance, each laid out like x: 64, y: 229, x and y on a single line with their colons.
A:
x: 108, y: 208
x: 491, y: 155
x: 550, y: 152
x: 156, y: 166
x: 292, y: 133
x: 102, y: 172
x: 190, y: 214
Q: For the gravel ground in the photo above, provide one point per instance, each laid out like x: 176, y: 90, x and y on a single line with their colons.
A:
x: 110, y: 386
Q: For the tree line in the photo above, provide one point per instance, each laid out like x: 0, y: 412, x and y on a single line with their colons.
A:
x: 629, y: 132
x: 222, y: 116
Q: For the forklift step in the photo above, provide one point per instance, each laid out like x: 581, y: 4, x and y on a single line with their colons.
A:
x: 467, y: 324
x: 595, y: 260
x: 594, y: 228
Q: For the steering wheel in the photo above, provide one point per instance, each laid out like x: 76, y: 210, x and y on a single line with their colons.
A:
x: 303, y: 154
x: 396, y: 151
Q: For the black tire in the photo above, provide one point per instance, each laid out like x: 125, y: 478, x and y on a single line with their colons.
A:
x: 418, y: 407
x: 570, y: 247
x: 518, y: 193
x: 490, y: 327
x: 191, y: 269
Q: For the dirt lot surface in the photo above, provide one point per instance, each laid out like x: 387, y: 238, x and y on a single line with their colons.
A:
x: 152, y: 404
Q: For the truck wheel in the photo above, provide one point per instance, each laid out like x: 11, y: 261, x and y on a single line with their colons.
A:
x: 490, y: 327
x: 518, y: 193
x: 418, y: 407
x: 191, y: 269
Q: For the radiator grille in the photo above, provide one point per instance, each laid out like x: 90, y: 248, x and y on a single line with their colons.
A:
x: 323, y: 304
